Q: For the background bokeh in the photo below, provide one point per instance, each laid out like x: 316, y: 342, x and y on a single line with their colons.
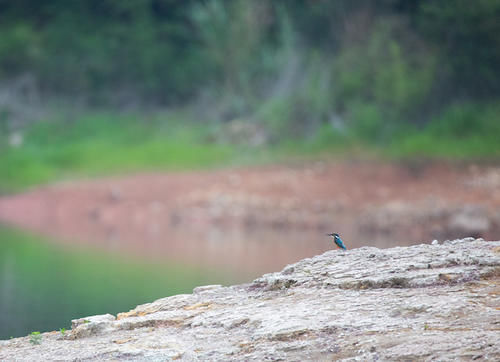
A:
x: 149, y: 146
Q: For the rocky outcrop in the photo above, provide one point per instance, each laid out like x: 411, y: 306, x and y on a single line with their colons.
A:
x: 404, y: 303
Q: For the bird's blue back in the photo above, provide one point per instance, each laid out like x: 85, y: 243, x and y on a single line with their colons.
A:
x: 338, y: 241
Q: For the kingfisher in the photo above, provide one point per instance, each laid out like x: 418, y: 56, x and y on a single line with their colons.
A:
x: 337, y: 240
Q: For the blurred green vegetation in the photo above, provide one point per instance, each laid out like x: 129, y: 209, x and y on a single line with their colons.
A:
x: 463, y: 131
x: 44, y: 286
x: 407, y: 78
x: 101, y: 144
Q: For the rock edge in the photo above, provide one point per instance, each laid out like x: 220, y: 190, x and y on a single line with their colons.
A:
x: 416, y: 303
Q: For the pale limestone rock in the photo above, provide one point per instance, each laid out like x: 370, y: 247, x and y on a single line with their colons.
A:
x: 472, y: 220
x: 85, y: 327
x: 423, y: 302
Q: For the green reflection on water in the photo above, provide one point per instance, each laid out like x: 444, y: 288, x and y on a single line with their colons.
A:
x: 43, y: 286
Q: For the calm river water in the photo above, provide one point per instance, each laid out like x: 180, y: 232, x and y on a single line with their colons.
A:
x: 44, y: 283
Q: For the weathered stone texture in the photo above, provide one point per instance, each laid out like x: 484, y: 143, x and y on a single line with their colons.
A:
x: 407, y: 303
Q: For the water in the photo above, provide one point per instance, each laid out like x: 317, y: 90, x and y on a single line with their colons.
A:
x: 43, y: 285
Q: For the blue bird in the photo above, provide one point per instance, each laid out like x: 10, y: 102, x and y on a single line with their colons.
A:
x: 337, y: 240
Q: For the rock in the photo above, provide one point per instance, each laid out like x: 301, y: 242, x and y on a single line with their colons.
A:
x: 204, y: 288
x: 407, y: 303
x: 88, y: 326
x: 16, y: 139
x: 471, y: 221
x: 240, y: 131
x: 441, y: 220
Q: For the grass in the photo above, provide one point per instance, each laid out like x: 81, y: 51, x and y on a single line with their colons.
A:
x: 35, y: 338
x: 104, y: 143
x: 462, y: 132
x: 426, y: 145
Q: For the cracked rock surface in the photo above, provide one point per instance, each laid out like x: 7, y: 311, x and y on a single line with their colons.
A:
x: 406, y: 303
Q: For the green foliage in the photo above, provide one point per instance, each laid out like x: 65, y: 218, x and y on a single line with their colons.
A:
x: 162, y: 51
x: 378, y: 70
x: 35, y: 338
x: 382, y: 84
x: 232, y: 34
x: 464, y: 120
x: 462, y: 131
x: 466, y: 36
x: 107, y: 51
x: 19, y: 49
x: 275, y: 114
x: 369, y: 121
x: 102, y: 144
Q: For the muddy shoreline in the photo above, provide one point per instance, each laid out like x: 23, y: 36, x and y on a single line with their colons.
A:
x: 284, y: 211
